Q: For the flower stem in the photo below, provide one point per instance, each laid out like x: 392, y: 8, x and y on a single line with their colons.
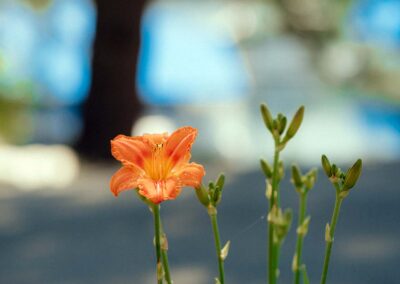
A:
x: 273, y: 250
x: 300, y: 238
x: 164, y: 256
x: 214, y: 222
x: 157, y: 229
x: 329, y: 237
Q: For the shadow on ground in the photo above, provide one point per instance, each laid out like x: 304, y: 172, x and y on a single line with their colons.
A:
x: 85, y: 235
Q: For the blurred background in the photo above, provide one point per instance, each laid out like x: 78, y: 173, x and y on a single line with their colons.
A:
x: 75, y: 73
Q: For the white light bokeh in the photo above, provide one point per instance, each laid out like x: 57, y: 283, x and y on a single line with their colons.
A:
x: 153, y: 124
x: 38, y: 166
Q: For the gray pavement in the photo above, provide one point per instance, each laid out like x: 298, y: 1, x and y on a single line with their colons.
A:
x: 82, y: 234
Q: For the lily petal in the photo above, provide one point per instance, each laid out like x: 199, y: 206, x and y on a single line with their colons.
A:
x: 159, y: 191
x: 125, y: 178
x: 130, y: 150
x: 191, y: 175
x: 178, y: 145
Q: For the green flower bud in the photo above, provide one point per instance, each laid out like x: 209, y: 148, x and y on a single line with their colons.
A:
x: 295, y: 123
x: 311, y: 178
x: 266, y: 168
x: 220, y: 181
x: 296, y: 176
x: 275, y: 126
x: 268, y: 121
x: 352, y: 175
x: 217, y: 196
x: 281, y: 221
x: 326, y: 165
x: 281, y: 119
x: 335, y: 172
x: 202, y: 195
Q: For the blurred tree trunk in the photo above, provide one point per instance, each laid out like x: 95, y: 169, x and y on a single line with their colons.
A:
x: 112, y: 105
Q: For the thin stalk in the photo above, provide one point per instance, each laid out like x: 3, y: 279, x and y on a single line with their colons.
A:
x: 274, y: 200
x: 329, y: 241
x: 164, y: 256
x: 214, y: 222
x: 157, y: 230
x: 300, y: 237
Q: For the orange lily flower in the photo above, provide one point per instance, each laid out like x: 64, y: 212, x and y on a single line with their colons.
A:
x: 157, y: 165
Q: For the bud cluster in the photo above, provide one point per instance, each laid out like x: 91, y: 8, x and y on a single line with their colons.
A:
x: 278, y: 125
x: 344, y: 181
x: 267, y: 170
x: 303, y: 183
x: 281, y: 221
x: 210, y: 197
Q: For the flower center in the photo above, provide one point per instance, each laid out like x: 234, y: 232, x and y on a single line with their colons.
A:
x: 159, y: 165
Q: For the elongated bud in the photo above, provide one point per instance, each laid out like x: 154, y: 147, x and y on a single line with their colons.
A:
x: 217, y: 281
x: 217, y: 196
x: 202, y: 195
x: 211, y: 190
x: 335, y: 172
x: 296, y: 176
x: 220, y: 181
x: 352, y: 175
x: 268, y: 121
x: 281, y: 123
x: 311, y: 178
x: 326, y: 165
x: 266, y: 168
x: 295, y: 123
x: 225, y: 250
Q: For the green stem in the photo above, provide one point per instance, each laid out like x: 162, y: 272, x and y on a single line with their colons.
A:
x: 300, y: 237
x: 214, y: 222
x: 164, y: 256
x: 157, y: 229
x: 329, y: 240
x: 274, y: 200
